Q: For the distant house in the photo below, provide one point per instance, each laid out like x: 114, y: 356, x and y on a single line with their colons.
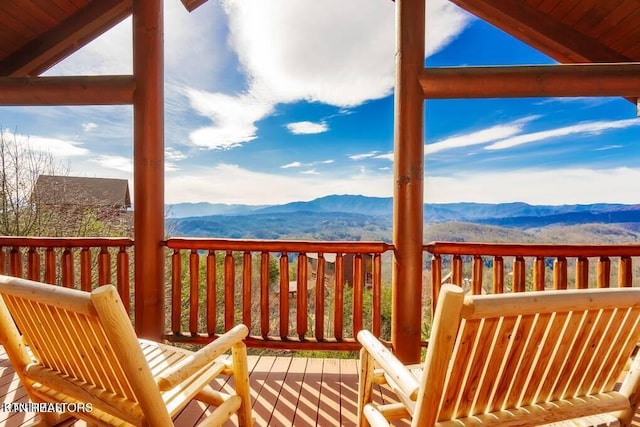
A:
x: 68, y: 204
x: 83, y: 193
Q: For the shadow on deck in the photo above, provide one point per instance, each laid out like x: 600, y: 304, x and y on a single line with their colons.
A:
x: 285, y: 391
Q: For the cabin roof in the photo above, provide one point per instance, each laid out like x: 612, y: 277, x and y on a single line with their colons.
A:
x: 36, y: 34
x: 80, y: 191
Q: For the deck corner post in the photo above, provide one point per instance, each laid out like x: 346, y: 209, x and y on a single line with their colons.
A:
x: 406, y: 323
x: 148, y: 160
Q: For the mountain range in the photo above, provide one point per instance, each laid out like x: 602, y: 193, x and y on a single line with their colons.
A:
x: 346, y: 217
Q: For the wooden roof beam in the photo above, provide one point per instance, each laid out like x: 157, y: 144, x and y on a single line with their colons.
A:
x: 67, y: 90
x: 589, y: 80
x: 191, y: 5
x: 540, y: 31
x: 56, y: 44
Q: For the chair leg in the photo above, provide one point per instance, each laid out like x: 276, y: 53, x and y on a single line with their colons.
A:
x: 365, y: 386
x: 241, y: 379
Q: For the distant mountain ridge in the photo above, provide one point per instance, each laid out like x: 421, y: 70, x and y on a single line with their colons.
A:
x: 383, y: 206
x: 347, y: 217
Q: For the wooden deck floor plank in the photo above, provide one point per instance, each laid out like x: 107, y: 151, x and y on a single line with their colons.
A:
x: 285, y: 408
x: 348, y: 392
x: 270, y: 391
x: 285, y: 392
x: 196, y: 412
x: 328, y: 411
x: 307, y: 409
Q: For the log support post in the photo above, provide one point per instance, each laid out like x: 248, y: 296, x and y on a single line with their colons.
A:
x: 409, y: 181
x: 148, y: 160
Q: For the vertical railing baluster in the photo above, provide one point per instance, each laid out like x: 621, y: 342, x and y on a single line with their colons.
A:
x: 377, y: 294
x: 519, y: 279
x: 476, y: 276
x: 456, y: 270
x: 301, y: 297
x: 33, y: 264
x: 284, y: 295
x: 85, y: 269
x: 604, y: 272
x: 104, y: 266
x: 436, y: 280
x: 229, y: 290
x: 211, y: 293
x: 319, y: 326
x: 50, y: 266
x: 582, y: 273
x: 538, y: 274
x: 625, y: 272
x: 176, y: 292
x: 3, y: 260
x: 67, y: 268
x: 498, y: 275
x: 15, y: 262
x: 246, y: 289
x: 358, y: 293
x: 560, y: 273
x: 338, y: 302
x: 122, y: 277
x: 265, y: 283
x: 194, y: 291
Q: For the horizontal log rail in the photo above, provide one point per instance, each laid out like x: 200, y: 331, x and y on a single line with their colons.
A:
x: 74, y: 262
x: 531, y: 81
x: 530, y: 267
x: 291, y: 294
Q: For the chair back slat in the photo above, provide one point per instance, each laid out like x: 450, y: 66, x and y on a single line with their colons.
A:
x: 519, y: 349
x: 85, y: 355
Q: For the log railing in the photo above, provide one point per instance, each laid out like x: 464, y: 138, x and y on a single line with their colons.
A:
x: 497, y: 268
x: 291, y: 294
x: 74, y: 262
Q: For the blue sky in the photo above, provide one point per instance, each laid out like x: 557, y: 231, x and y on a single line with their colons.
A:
x: 272, y: 101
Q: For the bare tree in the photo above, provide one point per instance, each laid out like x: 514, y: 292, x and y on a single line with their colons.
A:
x: 20, y: 167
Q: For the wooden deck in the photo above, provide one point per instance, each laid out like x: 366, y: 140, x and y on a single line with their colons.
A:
x: 285, y: 391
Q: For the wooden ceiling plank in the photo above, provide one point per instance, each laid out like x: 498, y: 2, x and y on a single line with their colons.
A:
x: 613, y: 19
x: 623, y: 30
x: 44, y: 10
x: 59, y: 42
x: 541, y: 31
x: 12, y: 18
x: 578, y: 10
x: 594, y: 17
x: 564, y: 8
x: 39, y: 15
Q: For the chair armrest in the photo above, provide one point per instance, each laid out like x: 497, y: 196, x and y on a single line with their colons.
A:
x: 195, y: 361
x: 398, y: 372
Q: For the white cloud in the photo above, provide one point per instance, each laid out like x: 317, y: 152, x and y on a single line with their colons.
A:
x: 363, y: 156
x: 608, y: 147
x: 58, y: 148
x: 569, y: 186
x: 493, y: 133
x: 233, y: 118
x: 291, y: 165
x: 326, y: 162
x: 119, y: 163
x: 550, y: 186
x: 88, y: 127
x: 226, y: 183
x: 589, y: 128
x: 310, y: 172
x: 307, y: 128
x: 305, y: 51
x: 174, y: 154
